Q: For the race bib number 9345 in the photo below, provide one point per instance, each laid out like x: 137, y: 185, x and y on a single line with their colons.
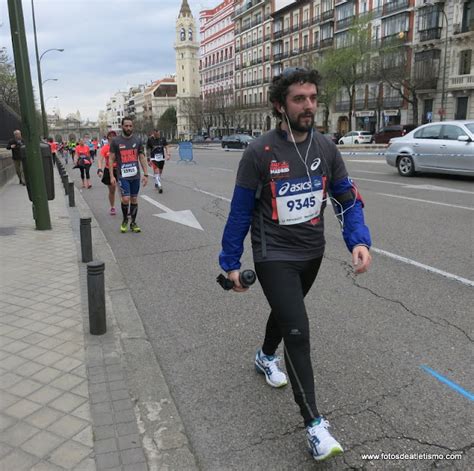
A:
x: 299, y: 200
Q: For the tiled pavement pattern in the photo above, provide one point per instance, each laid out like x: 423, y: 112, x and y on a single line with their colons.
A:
x: 51, y: 380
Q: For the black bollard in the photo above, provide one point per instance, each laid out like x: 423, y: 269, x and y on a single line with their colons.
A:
x: 96, y: 297
x: 65, y: 181
x: 72, y: 202
x: 86, y: 240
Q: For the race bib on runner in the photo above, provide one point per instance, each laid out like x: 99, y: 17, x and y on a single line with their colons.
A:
x: 158, y: 157
x: 129, y: 170
x: 298, y: 200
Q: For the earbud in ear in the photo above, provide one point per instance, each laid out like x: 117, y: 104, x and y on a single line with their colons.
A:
x: 282, y: 109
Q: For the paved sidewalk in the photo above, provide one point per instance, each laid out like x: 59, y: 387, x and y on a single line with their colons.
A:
x: 45, y: 418
x: 64, y: 400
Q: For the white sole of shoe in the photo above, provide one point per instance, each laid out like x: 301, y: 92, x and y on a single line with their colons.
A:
x: 335, y: 450
x: 261, y: 370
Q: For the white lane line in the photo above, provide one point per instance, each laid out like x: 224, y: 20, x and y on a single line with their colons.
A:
x: 223, y: 169
x: 366, y: 171
x: 155, y: 203
x: 367, y: 161
x: 451, y: 276
x: 212, y: 194
x: 419, y: 187
x: 426, y: 201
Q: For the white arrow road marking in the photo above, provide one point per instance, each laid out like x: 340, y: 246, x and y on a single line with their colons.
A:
x: 185, y: 217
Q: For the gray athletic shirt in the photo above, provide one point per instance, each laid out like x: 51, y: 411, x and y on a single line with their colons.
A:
x: 272, y: 160
x: 126, y: 152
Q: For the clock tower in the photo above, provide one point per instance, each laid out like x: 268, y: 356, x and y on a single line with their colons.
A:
x: 187, y: 71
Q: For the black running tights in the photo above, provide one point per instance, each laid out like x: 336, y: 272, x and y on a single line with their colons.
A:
x: 285, y: 285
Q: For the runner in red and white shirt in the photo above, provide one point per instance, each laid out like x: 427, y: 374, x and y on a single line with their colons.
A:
x: 104, y: 171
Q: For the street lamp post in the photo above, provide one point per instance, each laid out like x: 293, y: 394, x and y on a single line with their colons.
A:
x: 443, y: 86
x: 38, y: 66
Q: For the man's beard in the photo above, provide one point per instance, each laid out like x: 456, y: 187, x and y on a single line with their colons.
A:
x: 296, y: 126
x: 126, y: 132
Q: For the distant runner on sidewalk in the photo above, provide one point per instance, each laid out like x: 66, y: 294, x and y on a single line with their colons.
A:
x: 104, y: 172
x: 127, y: 150
x: 157, y: 147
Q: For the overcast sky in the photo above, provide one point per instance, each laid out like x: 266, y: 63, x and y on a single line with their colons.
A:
x: 108, y: 46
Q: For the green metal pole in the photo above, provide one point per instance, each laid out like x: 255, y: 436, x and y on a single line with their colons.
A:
x: 28, y: 112
x: 40, y: 80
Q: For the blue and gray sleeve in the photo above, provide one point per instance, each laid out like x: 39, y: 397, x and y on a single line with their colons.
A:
x: 236, y: 228
x: 350, y: 213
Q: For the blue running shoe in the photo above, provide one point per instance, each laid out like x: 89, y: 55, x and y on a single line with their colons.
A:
x: 269, y: 366
x: 322, y: 445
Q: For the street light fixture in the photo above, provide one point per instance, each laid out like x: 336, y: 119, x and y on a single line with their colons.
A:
x: 49, y: 80
x: 47, y: 50
x: 38, y: 66
x: 443, y: 86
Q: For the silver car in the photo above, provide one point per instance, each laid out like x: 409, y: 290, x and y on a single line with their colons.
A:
x: 441, y: 147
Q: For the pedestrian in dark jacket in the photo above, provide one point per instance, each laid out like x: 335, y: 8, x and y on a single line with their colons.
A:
x: 15, y: 146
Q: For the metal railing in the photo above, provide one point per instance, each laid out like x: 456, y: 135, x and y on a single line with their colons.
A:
x: 394, y: 6
x: 430, y: 34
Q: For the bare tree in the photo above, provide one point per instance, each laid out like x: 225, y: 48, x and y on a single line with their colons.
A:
x: 193, y: 108
x: 407, y: 73
x: 346, y: 66
x: 8, y: 85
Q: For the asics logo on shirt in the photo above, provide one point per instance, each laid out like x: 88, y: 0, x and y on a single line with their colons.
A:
x: 315, y: 164
x: 293, y: 188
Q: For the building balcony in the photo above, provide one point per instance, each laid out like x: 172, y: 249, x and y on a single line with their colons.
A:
x: 277, y: 57
x: 394, y: 39
x: 327, y: 15
x: 327, y: 42
x: 245, y: 8
x: 395, y: 6
x: 461, y: 82
x: 430, y: 34
x: 372, y: 103
x: 344, y: 23
x: 343, y: 105
x: 277, y: 34
x: 392, y: 102
x: 253, y: 105
x: 360, y: 104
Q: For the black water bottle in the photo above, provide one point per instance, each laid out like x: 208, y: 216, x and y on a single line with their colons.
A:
x: 246, y: 278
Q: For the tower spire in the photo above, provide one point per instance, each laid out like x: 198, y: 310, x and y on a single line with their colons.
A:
x: 185, y: 10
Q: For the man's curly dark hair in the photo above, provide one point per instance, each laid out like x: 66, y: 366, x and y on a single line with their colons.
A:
x: 280, y: 84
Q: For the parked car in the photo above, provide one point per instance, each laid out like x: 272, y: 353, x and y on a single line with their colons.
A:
x: 443, y: 147
x: 236, y: 141
x: 356, y: 137
x: 389, y: 132
x: 198, y: 139
x: 333, y: 136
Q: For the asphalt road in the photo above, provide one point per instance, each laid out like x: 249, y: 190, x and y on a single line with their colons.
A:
x: 371, y: 334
